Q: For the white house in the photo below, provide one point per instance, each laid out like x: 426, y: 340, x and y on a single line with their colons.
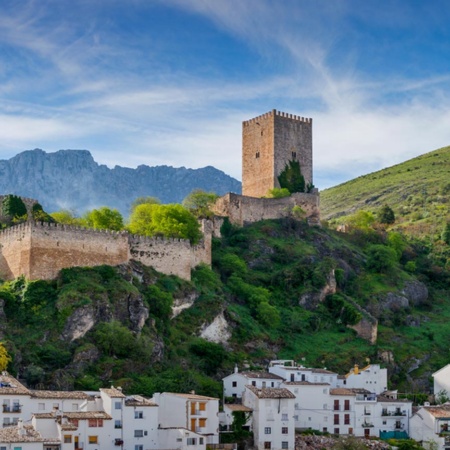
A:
x: 234, y: 384
x: 431, y: 424
x: 372, y: 377
x: 441, y: 380
x: 392, y: 414
x: 273, y: 417
x: 289, y: 371
x: 195, y: 413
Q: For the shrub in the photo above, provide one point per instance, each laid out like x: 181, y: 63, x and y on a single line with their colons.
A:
x: 386, y: 215
x: 291, y: 178
x: 278, y: 193
x: 380, y: 258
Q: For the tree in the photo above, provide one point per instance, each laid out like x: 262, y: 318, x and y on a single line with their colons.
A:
x: 278, y: 193
x: 147, y: 200
x: 361, y: 219
x: 14, y: 208
x: 291, y: 178
x: 5, y: 359
x: 381, y: 258
x: 66, y: 217
x: 171, y: 220
x: 104, y: 218
x: 397, y: 242
x: 199, y: 203
x: 267, y: 314
x: 39, y: 215
x: 386, y: 215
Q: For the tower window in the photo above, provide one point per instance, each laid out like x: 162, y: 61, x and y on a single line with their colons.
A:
x: 257, y: 155
x: 262, y: 132
x: 294, y: 155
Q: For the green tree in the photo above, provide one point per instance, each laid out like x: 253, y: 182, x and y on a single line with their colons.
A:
x: 114, y: 339
x: 66, y: 217
x: 386, y: 215
x: 14, y: 208
x: 381, y: 258
x: 166, y: 220
x: 397, y: 242
x: 446, y: 233
x: 5, y: 359
x: 267, y: 314
x: 362, y: 220
x: 278, y: 193
x: 145, y: 201
x: 199, y: 203
x: 291, y: 178
x: 39, y: 215
x: 104, y: 218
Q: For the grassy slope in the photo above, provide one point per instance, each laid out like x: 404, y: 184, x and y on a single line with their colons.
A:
x: 417, y: 190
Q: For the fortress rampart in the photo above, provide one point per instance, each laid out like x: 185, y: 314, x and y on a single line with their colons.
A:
x: 41, y: 250
x: 242, y: 210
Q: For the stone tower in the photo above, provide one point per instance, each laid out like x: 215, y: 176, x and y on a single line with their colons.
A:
x: 269, y: 142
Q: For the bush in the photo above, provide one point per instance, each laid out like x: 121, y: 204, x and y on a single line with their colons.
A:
x: 380, y: 258
x: 291, y: 178
x: 386, y: 215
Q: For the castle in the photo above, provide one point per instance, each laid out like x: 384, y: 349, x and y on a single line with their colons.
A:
x: 270, y: 142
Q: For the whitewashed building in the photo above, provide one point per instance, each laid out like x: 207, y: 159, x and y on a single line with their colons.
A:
x: 289, y: 371
x: 273, y: 417
x: 441, y: 381
x: 372, y: 377
x: 431, y: 424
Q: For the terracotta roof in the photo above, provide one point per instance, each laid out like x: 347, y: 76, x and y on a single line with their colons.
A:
x: 137, y: 400
x: 76, y: 395
x: 68, y: 427
x: 348, y: 391
x: 261, y: 375
x: 9, y: 385
x: 28, y: 434
x: 439, y: 411
x: 191, y: 396
x: 304, y: 383
x: 84, y: 415
x: 46, y: 415
x: 234, y: 407
x: 113, y: 392
x: 271, y: 392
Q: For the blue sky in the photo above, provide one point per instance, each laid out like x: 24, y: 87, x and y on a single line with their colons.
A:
x: 170, y: 81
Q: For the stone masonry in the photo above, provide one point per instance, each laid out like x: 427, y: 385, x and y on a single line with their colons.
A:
x: 269, y: 142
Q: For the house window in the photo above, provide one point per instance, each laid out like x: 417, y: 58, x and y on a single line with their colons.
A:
x: 138, y: 447
x: 267, y: 445
x: 234, y: 384
x: 336, y: 405
x: 17, y: 448
x: 95, y: 422
x: 117, y: 424
x: 55, y: 405
x: 284, y: 430
x: 253, y: 383
x: 93, y: 439
x: 347, y: 419
x: 325, y: 406
x: 284, y: 417
x: 257, y: 155
x: 325, y: 391
x: 41, y: 406
x: 273, y: 384
x: 336, y: 419
x: 74, y: 406
x: 267, y: 430
x: 347, y: 405
x: 67, y: 439
x: 294, y: 155
x: 138, y: 414
x: 200, y: 441
x: 263, y: 384
x: 191, y: 441
x: 384, y: 422
x: 284, y: 444
x: 117, y: 405
x: 138, y: 433
x: 74, y: 422
x: 336, y: 431
x: 325, y: 419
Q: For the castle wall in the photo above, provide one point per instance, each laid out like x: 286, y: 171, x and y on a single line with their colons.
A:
x: 269, y: 142
x: 242, y: 210
x: 40, y: 251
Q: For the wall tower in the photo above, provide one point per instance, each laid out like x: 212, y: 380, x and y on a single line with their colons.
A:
x: 269, y: 142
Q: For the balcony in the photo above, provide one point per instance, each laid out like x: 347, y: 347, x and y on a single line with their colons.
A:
x: 366, y: 398
x: 200, y: 430
x: 367, y: 425
x: 12, y: 409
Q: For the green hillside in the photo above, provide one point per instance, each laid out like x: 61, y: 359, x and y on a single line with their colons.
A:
x: 417, y: 190
x: 96, y: 326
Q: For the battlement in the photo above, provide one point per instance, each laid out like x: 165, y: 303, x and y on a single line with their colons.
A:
x: 273, y: 113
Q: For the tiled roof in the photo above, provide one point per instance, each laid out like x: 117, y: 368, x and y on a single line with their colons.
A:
x: 261, y: 375
x: 9, y: 385
x: 113, y: 392
x: 76, y: 395
x: 191, y: 396
x: 84, y: 415
x: 137, y: 400
x: 438, y: 411
x: 348, y: 391
x: 233, y: 407
x: 304, y: 383
x: 27, y: 434
x: 68, y: 427
x: 271, y: 392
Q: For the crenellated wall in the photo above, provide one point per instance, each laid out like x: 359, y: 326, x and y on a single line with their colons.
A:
x: 242, y: 210
x: 41, y: 250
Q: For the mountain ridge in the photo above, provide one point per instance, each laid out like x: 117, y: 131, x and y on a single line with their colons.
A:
x: 72, y: 179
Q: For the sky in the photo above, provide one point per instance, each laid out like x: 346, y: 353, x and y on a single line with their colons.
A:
x: 169, y: 82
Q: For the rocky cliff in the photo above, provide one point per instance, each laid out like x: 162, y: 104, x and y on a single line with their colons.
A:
x: 71, y: 179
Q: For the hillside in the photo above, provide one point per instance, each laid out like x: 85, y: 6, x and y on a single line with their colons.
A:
x: 265, y: 298
x: 417, y: 190
x: 71, y: 179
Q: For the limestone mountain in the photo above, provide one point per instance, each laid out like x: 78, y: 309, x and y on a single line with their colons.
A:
x: 71, y: 179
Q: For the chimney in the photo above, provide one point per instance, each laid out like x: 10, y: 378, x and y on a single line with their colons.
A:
x: 356, y: 370
x: 236, y: 370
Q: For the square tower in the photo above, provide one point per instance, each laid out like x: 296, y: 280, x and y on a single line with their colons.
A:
x: 269, y: 142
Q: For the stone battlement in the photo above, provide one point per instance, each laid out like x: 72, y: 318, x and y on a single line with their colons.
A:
x: 274, y: 112
x: 39, y: 250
